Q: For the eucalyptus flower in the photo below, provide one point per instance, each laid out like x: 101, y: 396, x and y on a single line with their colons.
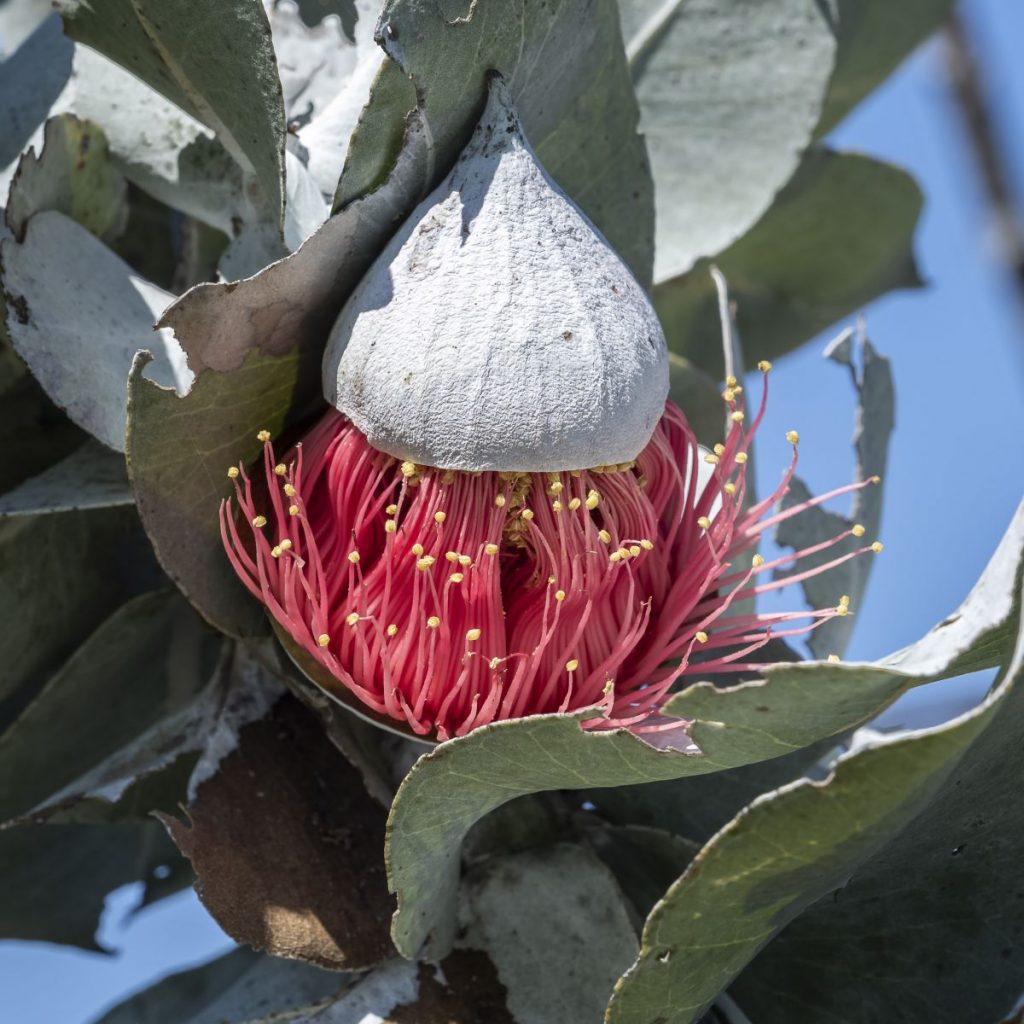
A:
x: 502, y: 514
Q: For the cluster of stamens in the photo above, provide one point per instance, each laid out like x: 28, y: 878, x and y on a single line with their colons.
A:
x: 445, y: 600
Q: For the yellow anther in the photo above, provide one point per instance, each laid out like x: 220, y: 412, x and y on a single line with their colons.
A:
x: 719, y: 449
x: 285, y: 545
x: 741, y: 457
x: 417, y: 549
x: 490, y: 549
x: 392, y: 630
x: 456, y: 577
x: 647, y: 545
x: 764, y: 366
x: 574, y: 504
x: 527, y: 514
x: 439, y: 517
x: 604, y: 536
x: 353, y: 557
x: 263, y: 436
x: 845, y: 600
x: 701, y: 637
x: 280, y: 469
x: 293, y: 510
x: 832, y: 657
x: 623, y: 553
x: 472, y: 634
x: 842, y: 610
x: 556, y: 487
x: 757, y: 561
x: 259, y: 522
x: 729, y: 395
x: 857, y: 530
x: 423, y: 564
x: 738, y: 416
x: 877, y: 547
x: 408, y: 469
x: 390, y: 526
x: 792, y: 437
x: 289, y: 490
x: 711, y: 460
x: 275, y: 552
x: 494, y: 663
x: 572, y: 665
x: 731, y: 381
x: 323, y: 639
x: 465, y: 560
x: 433, y: 622
x: 391, y: 509
x: 556, y: 506
x: 233, y: 472
x: 500, y: 500
x: 352, y: 618
x: 704, y: 523
x: 551, y: 579
x: 559, y: 595
x: 593, y: 500
x: 634, y: 550
x: 729, y: 488
x: 615, y: 556
x: 452, y: 556
x: 876, y: 479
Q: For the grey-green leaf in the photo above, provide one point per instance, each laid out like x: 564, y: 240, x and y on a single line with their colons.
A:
x: 837, y: 236
x: 79, y: 340
x: 214, y: 60
x: 886, y: 812
x: 554, y: 924
x: 568, y: 76
x: 144, y: 667
x: 72, y: 174
x: 92, y: 476
x: 792, y: 707
x: 874, y: 37
x: 236, y: 987
x: 730, y: 93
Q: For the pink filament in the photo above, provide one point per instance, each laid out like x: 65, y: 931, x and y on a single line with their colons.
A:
x: 578, y: 607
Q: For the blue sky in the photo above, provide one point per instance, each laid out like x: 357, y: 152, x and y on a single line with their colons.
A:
x: 955, y: 475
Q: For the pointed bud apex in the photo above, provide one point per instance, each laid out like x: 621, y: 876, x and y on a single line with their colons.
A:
x: 564, y: 357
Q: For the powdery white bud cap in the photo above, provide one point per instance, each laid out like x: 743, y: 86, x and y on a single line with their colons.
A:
x: 499, y: 330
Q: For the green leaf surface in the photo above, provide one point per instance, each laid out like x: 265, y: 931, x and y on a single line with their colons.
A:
x: 793, y: 706
x: 236, y: 987
x: 730, y: 92
x: 256, y: 346
x: 72, y: 174
x: 874, y: 38
x: 567, y: 72
x: 53, y: 880
x: 31, y: 79
x: 554, y: 924
x: 837, y: 236
x: 79, y: 340
x: 888, y: 810
x: 146, y: 666
x: 214, y: 60
x: 158, y: 146
x: 876, y: 412
x: 92, y: 476
x: 60, y: 577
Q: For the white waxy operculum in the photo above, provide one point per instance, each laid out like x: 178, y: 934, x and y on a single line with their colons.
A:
x: 498, y: 330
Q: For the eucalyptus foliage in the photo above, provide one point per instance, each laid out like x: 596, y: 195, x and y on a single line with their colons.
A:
x: 192, y: 191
